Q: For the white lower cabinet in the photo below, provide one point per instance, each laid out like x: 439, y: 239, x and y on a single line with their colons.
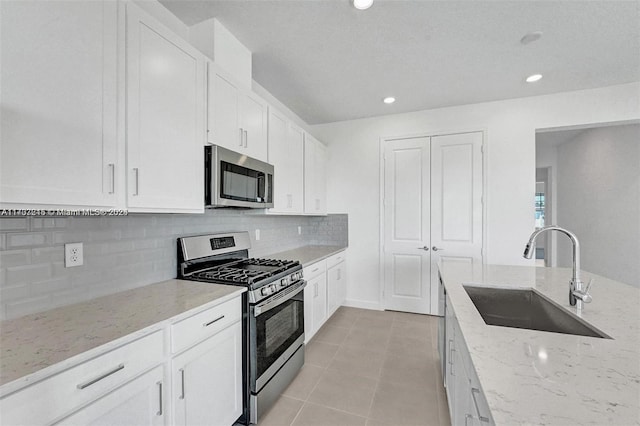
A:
x: 140, y: 402
x: 315, y: 300
x: 325, y: 292
x: 336, y: 286
x: 127, y: 385
x: 207, y: 380
x: 467, y: 404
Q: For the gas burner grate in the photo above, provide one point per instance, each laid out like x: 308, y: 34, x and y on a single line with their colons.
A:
x: 269, y: 262
x: 235, y: 275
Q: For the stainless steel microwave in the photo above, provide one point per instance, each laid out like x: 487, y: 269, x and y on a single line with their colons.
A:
x: 235, y: 180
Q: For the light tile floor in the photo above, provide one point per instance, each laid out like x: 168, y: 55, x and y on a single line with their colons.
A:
x: 369, y: 368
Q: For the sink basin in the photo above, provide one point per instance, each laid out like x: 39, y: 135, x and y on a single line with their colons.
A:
x: 520, y: 308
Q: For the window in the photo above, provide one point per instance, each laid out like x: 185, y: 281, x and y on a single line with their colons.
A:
x: 539, y: 209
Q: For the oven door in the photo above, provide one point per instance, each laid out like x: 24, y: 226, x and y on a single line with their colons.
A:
x: 277, y: 331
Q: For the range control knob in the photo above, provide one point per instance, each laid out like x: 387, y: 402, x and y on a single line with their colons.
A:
x: 266, y: 290
x: 274, y: 288
x: 284, y: 282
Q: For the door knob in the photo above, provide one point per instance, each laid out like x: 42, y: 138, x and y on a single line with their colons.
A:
x: 434, y: 248
x: 425, y: 248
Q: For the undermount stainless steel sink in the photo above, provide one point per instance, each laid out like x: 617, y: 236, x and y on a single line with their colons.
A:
x: 519, y: 308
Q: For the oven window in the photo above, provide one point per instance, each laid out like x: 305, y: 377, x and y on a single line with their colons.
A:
x: 277, y: 330
x: 241, y: 183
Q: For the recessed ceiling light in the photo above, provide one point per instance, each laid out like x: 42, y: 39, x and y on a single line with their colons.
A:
x: 389, y: 100
x: 531, y: 37
x: 533, y: 78
x: 362, y: 4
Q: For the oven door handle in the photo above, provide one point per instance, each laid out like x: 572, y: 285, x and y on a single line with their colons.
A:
x: 267, y: 305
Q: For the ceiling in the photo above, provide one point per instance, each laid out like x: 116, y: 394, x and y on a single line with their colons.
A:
x: 330, y: 62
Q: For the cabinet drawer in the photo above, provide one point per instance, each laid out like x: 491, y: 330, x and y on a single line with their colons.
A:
x: 203, y: 324
x: 335, y: 259
x: 58, y: 395
x: 314, y: 270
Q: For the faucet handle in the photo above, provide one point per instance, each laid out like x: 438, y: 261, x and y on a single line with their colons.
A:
x: 586, y: 289
x: 584, y: 294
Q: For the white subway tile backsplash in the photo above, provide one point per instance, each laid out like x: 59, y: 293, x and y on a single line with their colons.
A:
x: 18, y: 292
x: 30, y: 239
x: 127, y: 252
x: 29, y: 273
x: 14, y: 224
x: 49, y: 286
x: 48, y: 254
x: 15, y: 258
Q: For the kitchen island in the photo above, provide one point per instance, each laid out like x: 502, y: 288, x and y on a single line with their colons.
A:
x: 537, y: 377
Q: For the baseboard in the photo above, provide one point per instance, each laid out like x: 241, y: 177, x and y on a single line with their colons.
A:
x: 363, y: 304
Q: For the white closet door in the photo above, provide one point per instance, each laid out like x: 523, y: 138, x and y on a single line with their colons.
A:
x: 432, y: 211
x: 456, y: 201
x: 406, y: 225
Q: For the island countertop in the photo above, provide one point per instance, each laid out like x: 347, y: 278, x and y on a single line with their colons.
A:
x: 537, y: 377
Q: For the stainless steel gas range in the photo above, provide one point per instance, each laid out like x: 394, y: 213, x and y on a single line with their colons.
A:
x: 273, y: 315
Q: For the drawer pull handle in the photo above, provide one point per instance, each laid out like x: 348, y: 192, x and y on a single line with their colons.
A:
x: 103, y: 376
x: 159, y: 413
x: 207, y: 324
x: 313, y: 270
x: 475, y: 391
x: 181, y: 383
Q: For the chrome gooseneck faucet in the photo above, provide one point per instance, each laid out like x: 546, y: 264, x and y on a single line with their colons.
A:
x: 576, y: 294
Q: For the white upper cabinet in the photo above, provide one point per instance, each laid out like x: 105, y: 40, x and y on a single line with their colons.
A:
x: 315, y: 176
x: 165, y: 118
x: 237, y: 118
x: 59, y: 103
x: 286, y: 144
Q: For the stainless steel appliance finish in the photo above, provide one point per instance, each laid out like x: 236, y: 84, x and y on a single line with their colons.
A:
x: 235, y: 180
x: 528, y: 309
x: 273, y: 310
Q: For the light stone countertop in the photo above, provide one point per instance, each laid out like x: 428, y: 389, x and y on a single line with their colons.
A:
x: 307, y: 255
x: 535, y: 377
x: 38, y: 345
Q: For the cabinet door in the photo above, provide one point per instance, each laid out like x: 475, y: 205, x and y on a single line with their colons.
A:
x: 295, y: 167
x: 207, y: 380
x: 139, y: 402
x: 319, y: 305
x: 254, y: 125
x: 278, y: 156
x: 463, y: 406
x: 165, y: 114
x: 336, y: 287
x: 58, y: 121
x: 314, y: 176
x: 223, y: 111
x: 286, y: 144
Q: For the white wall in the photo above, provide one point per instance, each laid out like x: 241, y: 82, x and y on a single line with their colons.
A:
x: 353, y: 174
x: 598, y: 185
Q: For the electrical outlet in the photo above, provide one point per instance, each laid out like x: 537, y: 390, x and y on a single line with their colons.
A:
x: 257, y: 235
x: 299, y: 230
x: 73, y: 255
